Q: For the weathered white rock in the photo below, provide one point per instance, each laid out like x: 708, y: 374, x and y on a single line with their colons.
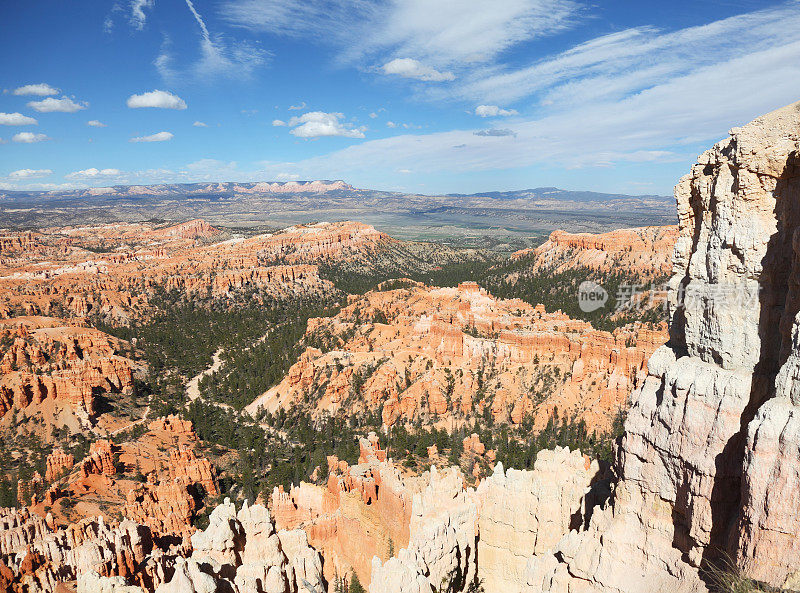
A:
x: 525, y: 513
x: 241, y: 552
x: 91, y: 582
x: 710, y: 461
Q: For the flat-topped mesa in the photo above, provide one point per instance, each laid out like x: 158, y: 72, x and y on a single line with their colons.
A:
x: 711, y: 453
x: 644, y: 250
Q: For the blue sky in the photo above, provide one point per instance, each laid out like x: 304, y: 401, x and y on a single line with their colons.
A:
x: 428, y: 96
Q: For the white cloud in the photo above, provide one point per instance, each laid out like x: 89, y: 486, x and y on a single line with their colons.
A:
x: 40, y: 90
x: 62, y: 105
x: 16, y: 119
x: 138, y: 16
x: 93, y: 173
x: 29, y: 173
x: 373, y: 115
x: 287, y: 177
x: 493, y: 111
x: 614, y: 66
x: 391, y: 124
x: 318, y: 123
x: 219, y: 56
x: 158, y: 99
x: 200, y: 124
x: 29, y: 137
x: 278, y: 122
x: 95, y: 123
x: 495, y: 132
x: 410, y: 68
x: 298, y: 107
x: 158, y: 137
x: 436, y: 32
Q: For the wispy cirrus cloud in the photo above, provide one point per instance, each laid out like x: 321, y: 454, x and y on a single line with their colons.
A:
x: 138, y: 16
x: 437, y: 33
x: 220, y: 56
x: 411, y: 68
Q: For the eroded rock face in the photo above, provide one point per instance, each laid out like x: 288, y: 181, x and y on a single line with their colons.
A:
x: 446, y: 354
x: 645, y: 251
x: 40, y: 557
x: 242, y: 552
x: 711, y: 452
x: 111, y: 271
x: 59, y: 362
x: 525, y: 513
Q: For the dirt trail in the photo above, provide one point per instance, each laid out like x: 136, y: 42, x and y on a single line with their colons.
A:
x: 193, y: 386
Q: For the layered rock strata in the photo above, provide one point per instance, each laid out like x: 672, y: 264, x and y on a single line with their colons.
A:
x: 711, y: 452
x: 447, y: 355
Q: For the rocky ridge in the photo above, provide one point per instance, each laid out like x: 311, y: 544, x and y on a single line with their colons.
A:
x: 112, y: 270
x: 645, y: 251
x: 447, y: 355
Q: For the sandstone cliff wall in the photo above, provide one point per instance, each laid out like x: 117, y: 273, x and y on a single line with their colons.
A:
x: 711, y: 452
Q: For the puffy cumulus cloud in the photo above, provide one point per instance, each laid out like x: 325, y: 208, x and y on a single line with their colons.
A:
x: 157, y: 99
x: 200, y: 124
x: 40, y: 90
x: 29, y: 138
x: 411, y: 68
x: 494, y: 111
x: 495, y: 132
x: 318, y: 123
x: 93, y: 173
x: 158, y: 137
x: 16, y: 119
x: 95, y: 123
x: 298, y: 107
x: 278, y: 123
x: 62, y: 105
x: 29, y: 173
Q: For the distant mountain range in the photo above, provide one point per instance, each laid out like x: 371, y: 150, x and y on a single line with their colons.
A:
x: 231, y: 188
x: 524, y: 215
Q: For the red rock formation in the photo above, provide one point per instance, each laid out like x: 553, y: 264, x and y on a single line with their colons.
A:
x: 186, y: 467
x: 447, y: 354
x: 100, y: 460
x: 646, y: 250
x: 53, y: 359
x: 137, y: 258
x: 58, y: 463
